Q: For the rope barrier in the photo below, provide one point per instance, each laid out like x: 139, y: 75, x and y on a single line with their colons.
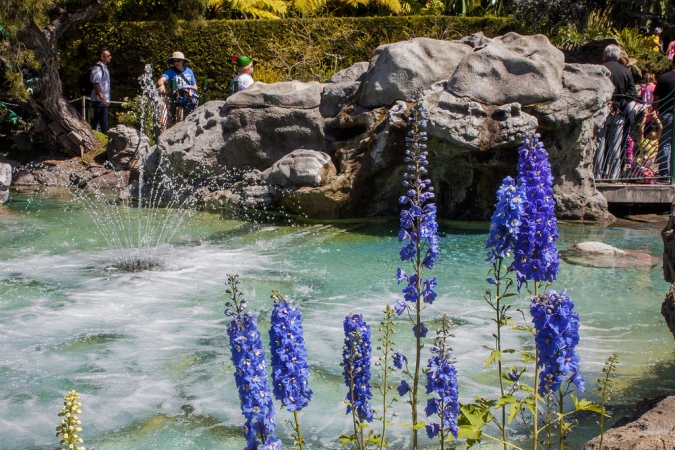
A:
x: 79, y: 99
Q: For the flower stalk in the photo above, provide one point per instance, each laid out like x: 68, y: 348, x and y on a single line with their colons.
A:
x: 419, y: 234
x: 69, y: 427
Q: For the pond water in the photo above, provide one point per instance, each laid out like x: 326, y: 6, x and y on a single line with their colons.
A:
x: 149, y: 353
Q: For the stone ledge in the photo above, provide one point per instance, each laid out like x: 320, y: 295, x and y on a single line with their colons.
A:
x: 637, y: 193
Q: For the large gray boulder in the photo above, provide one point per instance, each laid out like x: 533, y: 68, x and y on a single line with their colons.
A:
x: 351, y: 74
x: 654, y: 430
x: 300, y: 168
x: 511, y: 68
x: 481, y: 96
x: 5, y: 181
x: 397, y: 70
x: 194, y: 144
x: 127, y: 147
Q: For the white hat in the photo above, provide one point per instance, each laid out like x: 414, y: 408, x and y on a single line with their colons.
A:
x: 177, y: 56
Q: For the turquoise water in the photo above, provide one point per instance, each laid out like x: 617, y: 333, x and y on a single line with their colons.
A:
x: 149, y: 354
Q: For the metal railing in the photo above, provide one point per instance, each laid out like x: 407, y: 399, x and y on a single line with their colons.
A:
x: 634, y: 146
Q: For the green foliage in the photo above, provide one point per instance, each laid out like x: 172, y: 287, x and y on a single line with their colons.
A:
x: 300, y: 49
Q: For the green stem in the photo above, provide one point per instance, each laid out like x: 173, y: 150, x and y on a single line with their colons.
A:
x: 385, y: 388
x: 560, y: 420
x: 301, y: 443
x: 418, y: 336
x: 499, y: 348
x: 356, y: 428
x: 535, y: 432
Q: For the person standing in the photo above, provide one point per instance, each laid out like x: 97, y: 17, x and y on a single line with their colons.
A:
x: 100, y: 95
x: 244, y: 76
x: 607, y: 164
x: 185, y: 82
x: 663, y: 99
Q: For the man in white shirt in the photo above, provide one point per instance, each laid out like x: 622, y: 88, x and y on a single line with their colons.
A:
x: 100, y: 95
x: 244, y: 73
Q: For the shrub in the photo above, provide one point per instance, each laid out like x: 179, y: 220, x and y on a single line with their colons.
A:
x: 300, y: 49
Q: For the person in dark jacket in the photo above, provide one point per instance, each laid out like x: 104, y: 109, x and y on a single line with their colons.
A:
x: 608, y: 155
x: 663, y: 99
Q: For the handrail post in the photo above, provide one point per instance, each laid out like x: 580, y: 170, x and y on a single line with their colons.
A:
x: 84, y: 108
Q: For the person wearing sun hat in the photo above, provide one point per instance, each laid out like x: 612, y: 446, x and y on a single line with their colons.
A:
x: 244, y: 76
x: 184, y: 79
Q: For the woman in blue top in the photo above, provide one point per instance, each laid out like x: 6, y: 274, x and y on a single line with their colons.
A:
x: 186, y: 83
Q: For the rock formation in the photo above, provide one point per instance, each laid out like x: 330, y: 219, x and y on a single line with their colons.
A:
x: 668, y: 305
x: 5, y: 181
x: 653, y: 430
x: 126, y: 147
x: 481, y: 95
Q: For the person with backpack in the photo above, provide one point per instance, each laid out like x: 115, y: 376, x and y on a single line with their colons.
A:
x: 100, y: 91
x: 183, y: 83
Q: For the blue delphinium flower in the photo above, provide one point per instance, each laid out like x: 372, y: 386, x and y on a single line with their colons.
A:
x: 536, y: 255
x: 290, y: 369
x: 419, y: 230
x: 250, y: 376
x: 506, y: 220
x: 356, y: 361
x: 442, y: 381
x: 557, y: 327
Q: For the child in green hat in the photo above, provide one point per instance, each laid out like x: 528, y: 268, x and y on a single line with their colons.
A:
x: 244, y: 73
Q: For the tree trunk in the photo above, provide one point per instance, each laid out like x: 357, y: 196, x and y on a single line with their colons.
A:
x: 59, y: 122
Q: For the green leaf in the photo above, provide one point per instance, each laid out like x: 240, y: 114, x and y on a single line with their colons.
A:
x: 513, y: 411
x: 495, y: 355
x: 585, y: 405
x: 346, y: 439
x: 508, y: 399
x: 522, y: 328
x: 528, y: 357
x: 526, y: 388
x: 419, y: 425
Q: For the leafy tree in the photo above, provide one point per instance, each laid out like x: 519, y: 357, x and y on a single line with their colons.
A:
x: 29, y: 66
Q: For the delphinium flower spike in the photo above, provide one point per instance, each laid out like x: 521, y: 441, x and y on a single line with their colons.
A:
x: 69, y: 427
x: 504, y: 227
x: 442, y: 381
x: 419, y: 234
x: 557, y: 328
x: 536, y: 255
x: 557, y: 334
x: 248, y: 357
x: 290, y: 369
x: 356, y: 356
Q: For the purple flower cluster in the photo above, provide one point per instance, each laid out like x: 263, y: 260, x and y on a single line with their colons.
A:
x: 419, y: 230
x: 356, y: 361
x: 250, y: 376
x: 442, y: 380
x: 536, y: 255
x: 290, y: 369
x: 557, y: 328
x: 506, y: 220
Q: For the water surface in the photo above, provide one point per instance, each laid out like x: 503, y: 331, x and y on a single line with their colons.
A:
x: 149, y: 354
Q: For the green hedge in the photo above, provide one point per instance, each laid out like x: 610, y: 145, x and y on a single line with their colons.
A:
x: 300, y: 49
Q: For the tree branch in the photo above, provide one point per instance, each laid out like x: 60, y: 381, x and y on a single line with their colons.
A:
x: 64, y: 19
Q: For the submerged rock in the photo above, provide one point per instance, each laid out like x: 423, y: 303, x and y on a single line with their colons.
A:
x: 598, y: 254
x: 481, y: 95
x: 654, y: 429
